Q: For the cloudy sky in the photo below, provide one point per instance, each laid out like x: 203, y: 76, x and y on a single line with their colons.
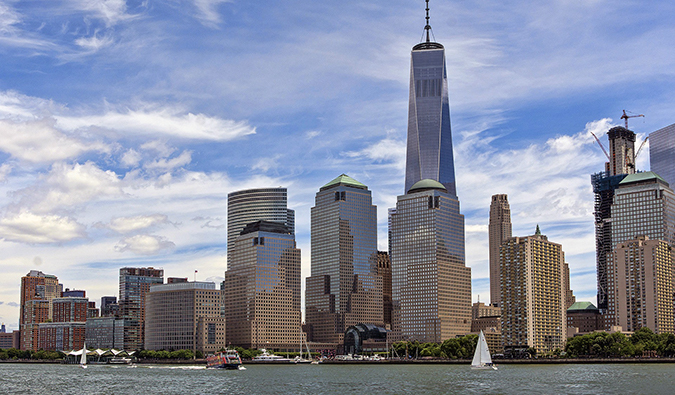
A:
x: 124, y: 124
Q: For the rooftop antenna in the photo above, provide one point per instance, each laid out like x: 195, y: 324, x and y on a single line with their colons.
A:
x: 427, y: 28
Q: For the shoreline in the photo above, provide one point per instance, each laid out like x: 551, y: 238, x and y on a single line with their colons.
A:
x: 541, y: 361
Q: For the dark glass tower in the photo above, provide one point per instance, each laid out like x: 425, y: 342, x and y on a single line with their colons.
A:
x: 429, y: 151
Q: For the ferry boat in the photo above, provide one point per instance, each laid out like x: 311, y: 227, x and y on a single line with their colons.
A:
x: 227, y: 360
x: 119, y: 361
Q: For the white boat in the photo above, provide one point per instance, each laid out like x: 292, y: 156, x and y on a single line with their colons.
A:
x: 481, y: 358
x: 267, y: 357
x: 83, y: 357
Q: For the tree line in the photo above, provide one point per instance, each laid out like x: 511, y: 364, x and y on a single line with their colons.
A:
x: 455, y: 348
x: 616, y: 345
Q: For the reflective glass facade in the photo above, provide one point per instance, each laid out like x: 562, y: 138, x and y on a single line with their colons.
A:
x: 134, y: 286
x: 662, y: 153
x: 429, y: 151
x: 344, y: 288
x: 261, y: 291
x: 431, y: 286
x: 260, y: 204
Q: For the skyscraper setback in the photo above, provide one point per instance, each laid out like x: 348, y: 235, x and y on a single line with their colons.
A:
x: 499, y: 230
x: 429, y: 150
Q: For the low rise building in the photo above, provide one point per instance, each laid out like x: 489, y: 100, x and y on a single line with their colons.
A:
x: 105, y: 332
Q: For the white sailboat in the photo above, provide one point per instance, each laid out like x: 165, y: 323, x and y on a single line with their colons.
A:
x: 83, y: 357
x: 481, y: 358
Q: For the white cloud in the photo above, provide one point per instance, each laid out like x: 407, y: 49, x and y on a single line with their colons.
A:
x: 165, y: 121
x: 207, y: 11
x: 265, y: 164
x: 40, y: 142
x: 30, y: 228
x: 94, y: 43
x: 110, y: 11
x: 5, y: 169
x: 169, y: 164
x: 144, y: 244
x: 132, y: 224
x: 386, y: 150
x: 68, y: 186
x: 130, y: 158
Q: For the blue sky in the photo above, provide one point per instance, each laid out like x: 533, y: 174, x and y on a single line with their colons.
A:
x: 125, y: 124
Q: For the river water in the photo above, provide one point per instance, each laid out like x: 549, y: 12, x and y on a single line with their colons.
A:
x: 339, y: 379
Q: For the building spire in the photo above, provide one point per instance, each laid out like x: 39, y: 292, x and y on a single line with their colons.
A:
x: 427, y: 28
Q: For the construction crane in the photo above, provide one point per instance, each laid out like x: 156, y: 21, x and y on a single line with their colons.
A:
x: 641, y: 145
x: 601, y: 146
x: 626, y: 116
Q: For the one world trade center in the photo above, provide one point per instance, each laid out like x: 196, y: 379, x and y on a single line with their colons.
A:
x: 429, y: 151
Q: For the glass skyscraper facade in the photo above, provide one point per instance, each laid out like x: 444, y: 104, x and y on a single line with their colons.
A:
x: 431, y: 286
x: 259, y: 204
x: 135, y: 284
x: 429, y: 150
x: 662, y: 153
x: 344, y: 288
x: 261, y: 291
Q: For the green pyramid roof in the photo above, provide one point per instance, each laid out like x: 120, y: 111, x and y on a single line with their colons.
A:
x: 344, y: 179
x: 644, y: 176
x: 582, y: 306
x: 426, y: 184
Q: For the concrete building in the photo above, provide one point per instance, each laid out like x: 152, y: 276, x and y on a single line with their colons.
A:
x: 261, y: 291
x: 643, y: 286
x: 662, y: 153
x: 70, y: 309
x: 37, y: 291
x: 62, y: 336
x: 184, y: 316
x: 105, y: 333
x: 10, y: 340
x: 259, y: 204
x: 585, y: 317
x: 344, y: 288
x: 622, y: 160
x: 431, y: 286
x: 569, y: 294
x: 384, y: 270
x: 429, y: 149
x: 533, y: 296
x: 135, y: 284
x: 499, y: 230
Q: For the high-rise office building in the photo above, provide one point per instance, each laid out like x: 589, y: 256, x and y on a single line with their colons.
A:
x: 644, y: 205
x: 643, y: 287
x: 135, y: 283
x: 662, y: 153
x: 344, y: 288
x: 260, y: 204
x: 105, y: 332
x: 261, y: 291
x: 429, y: 149
x: 533, y: 294
x: 431, y: 286
x: 384, y: 270
x: 499, y: 230
x: 184, y: 316
x: 621, y: 163
x: 109, y: 306
x: 37, y: 292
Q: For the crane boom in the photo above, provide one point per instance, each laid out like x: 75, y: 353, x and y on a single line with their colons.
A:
x: 626, y: 116
x: 601, y: 146
x: 641, y: 145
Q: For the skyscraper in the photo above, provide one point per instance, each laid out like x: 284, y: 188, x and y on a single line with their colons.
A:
x: 499, y: 230
x: 429, y: 149
x: 259, y: 204
x: 621, y: 163
x: 134, y: 286
x: 662, y: 153
x: 261, y: 291
x: 533, y: 294
x: 344, y: 288
x: 643, y: 285
x: 431, y: 286
x: 37, y: 292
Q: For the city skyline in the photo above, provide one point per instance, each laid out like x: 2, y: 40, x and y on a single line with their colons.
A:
x: 124, y: 124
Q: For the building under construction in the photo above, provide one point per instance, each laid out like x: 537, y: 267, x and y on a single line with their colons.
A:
x: 621, y: 162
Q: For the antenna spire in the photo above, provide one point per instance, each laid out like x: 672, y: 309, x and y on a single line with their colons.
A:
x: 427, y: 28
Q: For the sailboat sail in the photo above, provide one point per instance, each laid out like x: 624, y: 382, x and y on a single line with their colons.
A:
x: 481, y: 357
x: 83, y: 357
